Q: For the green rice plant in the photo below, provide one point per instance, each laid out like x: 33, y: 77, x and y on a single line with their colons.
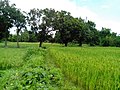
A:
x: 94, y: 68
x: 88, y: 68
x: 11, y: 58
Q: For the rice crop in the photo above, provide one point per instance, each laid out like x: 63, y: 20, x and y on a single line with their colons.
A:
x: 91, y: 68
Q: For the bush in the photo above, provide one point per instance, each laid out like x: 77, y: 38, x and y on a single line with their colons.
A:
x: 33, y: 79
x: 32, y: 75
x: 117, y: 41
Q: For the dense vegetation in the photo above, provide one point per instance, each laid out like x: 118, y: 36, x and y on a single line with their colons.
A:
x: 54, y: 67
x: 58, y: 68
x: 26, y: 69
x: 43, y: 22
x: 89, y: 68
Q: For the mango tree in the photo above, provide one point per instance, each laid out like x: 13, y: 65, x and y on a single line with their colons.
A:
x: 19, y: 22
x: 6, y: 22
x: 41, y: 22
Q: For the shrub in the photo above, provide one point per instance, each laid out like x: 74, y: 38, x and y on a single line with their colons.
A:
x: 33, y: 79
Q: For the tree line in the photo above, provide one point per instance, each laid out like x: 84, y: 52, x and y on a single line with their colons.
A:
x: 43, y: 22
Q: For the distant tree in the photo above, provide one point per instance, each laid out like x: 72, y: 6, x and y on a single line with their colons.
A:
x: 1, y: 35
x: 6, y: 22
x: 34, y: 21
x: 92, y: 34
x: 105, y: 32
x: 57, y: 37
x: 10, y: 16
x: 50, y: 38
x: 63, y: 25
x: 48, y: 19
x: 117, y: 41
x: 41, y: 22
x: 78, y: 30
x: 112, y: 39
x: 12, y: 38
x: 19, y: 22
x: 104, y: 36
x: 24, y: 36
x: 32, y: 37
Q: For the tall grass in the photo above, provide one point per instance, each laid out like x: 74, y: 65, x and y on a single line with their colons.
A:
x: 94, y: 68
x: 11, y: 58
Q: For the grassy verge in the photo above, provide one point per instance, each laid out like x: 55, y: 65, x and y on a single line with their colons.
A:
x: 26, y: 69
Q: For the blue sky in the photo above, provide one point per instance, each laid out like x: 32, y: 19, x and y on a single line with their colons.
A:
x: 105, y: 13
x: 107, y: 9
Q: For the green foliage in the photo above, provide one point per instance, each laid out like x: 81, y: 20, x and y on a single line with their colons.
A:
x: 25, y: 36
x: 10, y: 16
x: 108, y: 38
x: 6, y: 18
x: 32, y: 79
x: 43, y: 21
x: 64, y: 25
x: 32, y: 37
x: 12, y: 38
x: 40, y: 22
x: 26, y: 69
x: 1, y: 35
x: 117, y: 41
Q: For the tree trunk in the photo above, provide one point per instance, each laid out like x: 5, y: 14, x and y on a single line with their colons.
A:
x: 66, y: 44
x: 40, y: 45
x: 5, y: 42
x: 80, y: 43
x: 18, y: 40
x: 5, y: 39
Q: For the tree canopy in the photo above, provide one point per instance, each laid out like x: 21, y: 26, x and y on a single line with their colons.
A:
x: 10, y: 16
x: 43, y: 22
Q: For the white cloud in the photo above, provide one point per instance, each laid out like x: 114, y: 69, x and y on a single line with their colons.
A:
x: 105, y: 6
x: 70, y: 6
x: 67, y: 5
x: 113, y: 25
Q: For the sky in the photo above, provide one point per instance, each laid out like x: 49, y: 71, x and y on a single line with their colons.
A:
x: 105, y: 13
